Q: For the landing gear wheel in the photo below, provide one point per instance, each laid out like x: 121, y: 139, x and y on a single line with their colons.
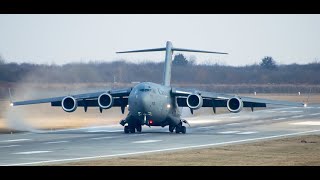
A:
x: 126, y: 129
x: 171, y: 128
x: 183, y: 129
x: 178, y: 129
x: 132, y: 129
x: 139, y: 128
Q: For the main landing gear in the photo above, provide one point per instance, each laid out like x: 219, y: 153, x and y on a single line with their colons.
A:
x: 179, y: 128
x: 132, y: 129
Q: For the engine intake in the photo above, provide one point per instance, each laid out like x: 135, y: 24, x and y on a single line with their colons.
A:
x: 69, y: 104
x: 105, y: 101
x: 194, y: 101
x: 235, y: 105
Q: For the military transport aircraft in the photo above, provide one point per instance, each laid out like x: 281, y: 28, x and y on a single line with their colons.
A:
x: 154, y: 104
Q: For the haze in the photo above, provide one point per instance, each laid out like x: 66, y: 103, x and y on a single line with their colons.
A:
x: 61, y: 39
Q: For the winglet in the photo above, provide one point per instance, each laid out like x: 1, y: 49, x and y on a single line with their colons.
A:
x: 11, y: 102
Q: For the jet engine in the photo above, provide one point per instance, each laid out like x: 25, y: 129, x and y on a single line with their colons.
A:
x: 105, y: 101
x: 69, y: 104
x: 194, y: 101
x: 235, y: 105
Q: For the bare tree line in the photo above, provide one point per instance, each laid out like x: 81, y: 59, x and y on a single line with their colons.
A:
x: 245, y: 78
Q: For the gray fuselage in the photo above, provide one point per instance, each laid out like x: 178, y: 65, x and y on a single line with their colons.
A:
x: 152, y: 104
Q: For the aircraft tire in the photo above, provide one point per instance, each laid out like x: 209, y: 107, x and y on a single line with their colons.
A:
x: 183, y: 129
x: 126, y: 129
x: 171, y: 128
x: 132, y: 129
x: 139, y: 128
x: 178, y: 129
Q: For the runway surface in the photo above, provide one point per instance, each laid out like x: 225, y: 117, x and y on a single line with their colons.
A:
x: 109, y: 141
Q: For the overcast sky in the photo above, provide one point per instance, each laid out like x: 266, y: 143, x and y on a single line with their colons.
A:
x: 61, y: 39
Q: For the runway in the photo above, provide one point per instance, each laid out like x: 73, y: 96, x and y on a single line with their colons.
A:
x: 47, y: 147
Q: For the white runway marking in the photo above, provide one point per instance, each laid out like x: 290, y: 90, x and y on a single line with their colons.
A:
x: 310, y: 123
x: 163, y: 150
x: 291, y: 111
x: 232, y: 124
x: 297, y: 116
x: 279, y: 119
x: 108, y: 137
x: 146, y: 141
x: 95, y: 131
x: 314, y: 114
x: 32, y: 152
x: 16, y: 140
x: 202, y: 121
x: 248, y: 132
x: 234, y: 117
x: 55, y: 142
x: 14, y: 145
x: 207, y: 127
x: 228, y: 132
x: 270, y: 111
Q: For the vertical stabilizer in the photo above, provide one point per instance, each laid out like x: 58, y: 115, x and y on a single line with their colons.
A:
x: 167, y: 65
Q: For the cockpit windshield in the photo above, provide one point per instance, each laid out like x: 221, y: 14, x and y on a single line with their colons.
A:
x: 145, y: 90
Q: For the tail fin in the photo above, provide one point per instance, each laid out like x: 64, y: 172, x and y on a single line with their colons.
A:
x: 168, y: 61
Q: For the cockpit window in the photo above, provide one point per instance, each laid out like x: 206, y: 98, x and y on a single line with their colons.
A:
x: 145, y: 90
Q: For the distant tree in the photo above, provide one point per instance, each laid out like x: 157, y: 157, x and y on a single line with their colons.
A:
x: 179, y: 59
x: 268, y: 63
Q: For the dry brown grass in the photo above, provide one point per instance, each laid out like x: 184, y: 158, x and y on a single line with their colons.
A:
x: 293, y: 151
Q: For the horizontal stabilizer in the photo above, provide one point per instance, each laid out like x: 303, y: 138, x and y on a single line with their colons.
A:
x: 144, y: 50
x: 191, y: 50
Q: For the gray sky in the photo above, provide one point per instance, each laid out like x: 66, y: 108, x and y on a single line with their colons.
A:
x: 66, y: 38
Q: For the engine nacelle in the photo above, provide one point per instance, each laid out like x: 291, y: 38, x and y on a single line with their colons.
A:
x: 69, y: 104
x: 105, y: 101
x: 235, y: 105
x: 194, y: 101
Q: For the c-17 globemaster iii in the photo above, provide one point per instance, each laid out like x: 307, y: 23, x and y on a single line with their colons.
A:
x: 154, y: 104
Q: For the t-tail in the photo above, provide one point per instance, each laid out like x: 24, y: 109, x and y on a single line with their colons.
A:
x: 168, y: 61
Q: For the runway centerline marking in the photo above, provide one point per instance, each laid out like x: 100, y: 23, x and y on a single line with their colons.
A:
x: 15, y: 140
x: 146, y: 141
x: 163, y: 150
x: 279, y: 119
x: 206, y: 127
x: 314, y: 114
x: 108, y: 137
x: 14, y: 145
x: 228, y: 132
x: 94, y: 131
x: 247, y: 132
x: 32, y: 152
x: 55, y: 142
x: 202, y: 121
x: 310, y: 123
x: 232, y: 124
x: 234, y: 117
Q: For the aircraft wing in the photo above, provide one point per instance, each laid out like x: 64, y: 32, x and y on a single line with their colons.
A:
x: 87, y: 99
x: 211, y: 99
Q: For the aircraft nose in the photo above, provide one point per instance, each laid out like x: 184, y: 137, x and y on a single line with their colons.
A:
x: 144, y: 102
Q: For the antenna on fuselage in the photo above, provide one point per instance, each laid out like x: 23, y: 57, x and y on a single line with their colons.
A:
x: 168, y: 59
